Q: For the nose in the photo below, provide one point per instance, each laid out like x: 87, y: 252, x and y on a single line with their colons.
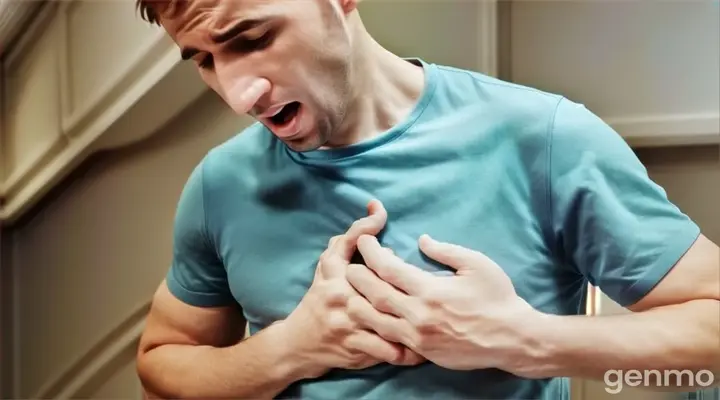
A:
x: 240, y: 90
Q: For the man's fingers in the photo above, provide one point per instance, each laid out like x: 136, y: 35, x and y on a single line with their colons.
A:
x: 370, y: 225
x: 341, y: 248
x: 327, y: 260
x: 387, y: 326
x: 333, y: 240
x: 410, y: 357
x: 378, y: 348
x: 454, y: 256
x: 390, y: 268
x: 382, y: 295
x: 374, y: 206
x: 331, y: 265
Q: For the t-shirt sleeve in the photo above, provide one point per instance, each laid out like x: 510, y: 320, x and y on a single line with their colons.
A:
x: 609, y: 219
x: 197, y: 276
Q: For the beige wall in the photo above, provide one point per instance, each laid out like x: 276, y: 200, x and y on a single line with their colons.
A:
x: 5, y: 327
x: 94, y: 252
x: 692, y: 179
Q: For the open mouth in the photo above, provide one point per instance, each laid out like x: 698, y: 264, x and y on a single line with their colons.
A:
x: 286, y: 114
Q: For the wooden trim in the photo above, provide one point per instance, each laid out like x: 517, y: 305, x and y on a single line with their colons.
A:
x: 36, y: 28
x: 113, y: 119
x: 66, y: 98
x: 83, y: 114
x: 504, y: 40
x: 590, y: 302
x: 21, y: 176
x: 3, y: 128
x: 669, y: 129
x: 487, y: 60
x: 69, y: 380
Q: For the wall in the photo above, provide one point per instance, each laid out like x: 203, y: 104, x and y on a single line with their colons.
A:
x: 691, y: 177
x: 648, y: 68
x: 3, y: 324
x: 94, y: 253
x: 90, y: 256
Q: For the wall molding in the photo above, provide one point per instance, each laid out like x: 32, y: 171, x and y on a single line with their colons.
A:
x: 74, y: 376
x: 669, y: 129
x: 149, y: 90
x: 487, y: 35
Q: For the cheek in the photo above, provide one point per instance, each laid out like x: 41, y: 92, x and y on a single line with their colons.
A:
x: 211, y: 81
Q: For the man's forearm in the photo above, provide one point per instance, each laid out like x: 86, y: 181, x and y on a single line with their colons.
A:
x: 683, y: 337
x: 261, y: 366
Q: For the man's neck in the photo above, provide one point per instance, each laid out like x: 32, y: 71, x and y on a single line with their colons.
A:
x: 387, y: 89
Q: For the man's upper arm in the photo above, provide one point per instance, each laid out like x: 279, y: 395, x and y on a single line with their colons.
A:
x: 193, y: 305
x: 609, y: 219
x: 197, y: 276
x: 696, y: 276
x: 172, y: 321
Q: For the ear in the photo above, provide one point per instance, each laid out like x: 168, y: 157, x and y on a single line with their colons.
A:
x: 348, y: 6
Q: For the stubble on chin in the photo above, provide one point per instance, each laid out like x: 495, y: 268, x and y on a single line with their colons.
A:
x: 305, y: 144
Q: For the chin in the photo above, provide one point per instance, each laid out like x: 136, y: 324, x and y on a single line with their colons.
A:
x: 304, y: 144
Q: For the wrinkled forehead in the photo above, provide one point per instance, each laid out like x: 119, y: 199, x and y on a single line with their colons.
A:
x: 175, y: 13
x: 166, y: 9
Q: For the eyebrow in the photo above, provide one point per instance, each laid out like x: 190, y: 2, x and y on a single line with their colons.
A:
x: 224, y: 36
x: 238, y: 28
x: 188, y: 53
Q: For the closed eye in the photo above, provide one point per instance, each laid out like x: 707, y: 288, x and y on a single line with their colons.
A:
x: 244, y: 44
x: 206, y: 62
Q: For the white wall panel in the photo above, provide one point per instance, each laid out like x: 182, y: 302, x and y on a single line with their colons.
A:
x: 648, y: 67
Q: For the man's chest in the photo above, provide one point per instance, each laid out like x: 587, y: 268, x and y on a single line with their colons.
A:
x: 271, y: 254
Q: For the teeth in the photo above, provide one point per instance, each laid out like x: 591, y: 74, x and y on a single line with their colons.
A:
x: 277, y: 112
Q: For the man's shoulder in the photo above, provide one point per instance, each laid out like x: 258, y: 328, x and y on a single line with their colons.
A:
x: 241, y: 151
x: 493, y: 108
x: 491, y: 91
x: 236, y: 162
x: 253, y: 139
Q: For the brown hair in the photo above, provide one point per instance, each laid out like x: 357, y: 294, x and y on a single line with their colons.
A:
x: 150, y: 12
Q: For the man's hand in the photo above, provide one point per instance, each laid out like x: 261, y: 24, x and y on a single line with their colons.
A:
x: 471, y: 320
x: 320, y: 328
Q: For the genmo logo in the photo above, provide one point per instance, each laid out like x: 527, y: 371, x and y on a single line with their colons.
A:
x: 615, y: 380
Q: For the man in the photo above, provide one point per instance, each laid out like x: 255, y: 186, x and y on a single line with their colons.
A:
x: 392, y: 228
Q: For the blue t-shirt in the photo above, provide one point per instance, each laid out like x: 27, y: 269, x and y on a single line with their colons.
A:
x: 535, y: 181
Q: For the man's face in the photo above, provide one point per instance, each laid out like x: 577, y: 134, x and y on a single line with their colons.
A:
x: 286, y: 62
